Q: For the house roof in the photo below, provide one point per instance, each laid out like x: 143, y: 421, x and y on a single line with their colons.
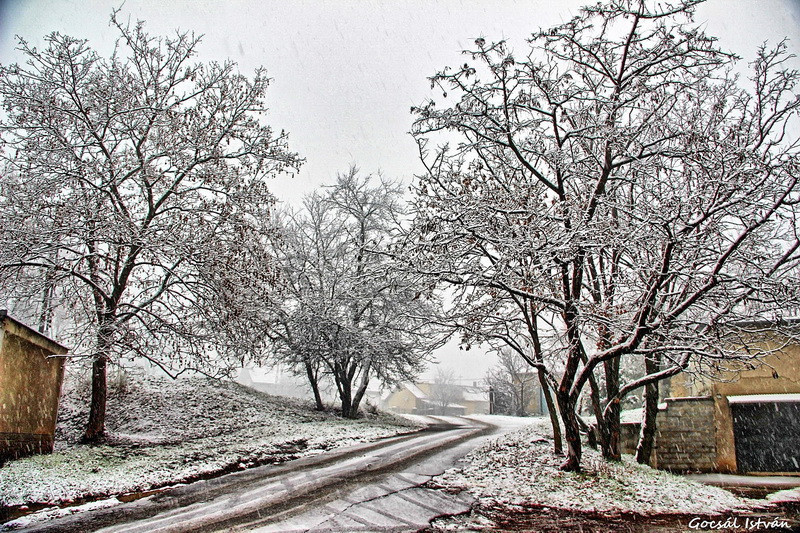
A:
x: 31, y: 334
x: 475, y: 396
x: 416, y: 391
x: 764, y: 398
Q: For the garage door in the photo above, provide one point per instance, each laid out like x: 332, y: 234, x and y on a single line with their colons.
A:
x: 766, y: 430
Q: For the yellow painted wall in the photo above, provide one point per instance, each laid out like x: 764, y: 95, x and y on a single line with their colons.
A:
x: 30, y: 385
x: 402, y: 401
x: 476, y: 407
x: 779, y: 374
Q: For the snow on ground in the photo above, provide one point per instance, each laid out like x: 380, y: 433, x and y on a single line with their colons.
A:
x: 505, y: 422
x: 520, y: 469
x: 164, y: 432
x: 54, y: 513
x: 785, y: 496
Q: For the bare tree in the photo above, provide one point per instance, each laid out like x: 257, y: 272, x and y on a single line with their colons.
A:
x: 346, y: 313
x: 616, y: 190
x: 134, y: 192
x: 444, y: 391
x: 513, y: 379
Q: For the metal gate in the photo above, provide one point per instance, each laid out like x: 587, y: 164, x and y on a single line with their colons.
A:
x: 767, y: 436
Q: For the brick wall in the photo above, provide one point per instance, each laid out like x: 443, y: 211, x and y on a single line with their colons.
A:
x: 685, y: 436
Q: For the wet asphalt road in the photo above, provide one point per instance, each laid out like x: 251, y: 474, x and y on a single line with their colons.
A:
x: 371, y: 487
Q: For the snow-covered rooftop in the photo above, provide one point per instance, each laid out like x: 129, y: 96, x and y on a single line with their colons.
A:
x: 416, y: 391
x: 764, y: 398
x: 476, y: 396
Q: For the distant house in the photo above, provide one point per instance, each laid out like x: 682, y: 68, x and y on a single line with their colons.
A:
x: 423, y: 398
x: 30, y: 386
x: 743, y: 423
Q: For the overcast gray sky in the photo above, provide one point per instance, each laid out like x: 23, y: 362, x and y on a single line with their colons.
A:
x: 347, y: 72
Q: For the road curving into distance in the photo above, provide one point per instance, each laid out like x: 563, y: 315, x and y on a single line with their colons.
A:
x: 370, y: 487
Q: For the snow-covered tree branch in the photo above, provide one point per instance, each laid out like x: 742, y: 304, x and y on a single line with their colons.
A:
x: 614, y: 187
x: 134, y: 200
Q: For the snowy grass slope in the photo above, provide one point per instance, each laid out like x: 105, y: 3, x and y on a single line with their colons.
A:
x: 520, y: 469
x: 164, y: 432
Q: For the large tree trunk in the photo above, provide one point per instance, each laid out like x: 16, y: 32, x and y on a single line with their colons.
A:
x: 346, y: 397
x: 572, y: 432
x: 312, y: 380
x: 558, y: 448
x: 96, y: 428
x: 600, y: 422
x: 362, y: 389
x: 644, y: 448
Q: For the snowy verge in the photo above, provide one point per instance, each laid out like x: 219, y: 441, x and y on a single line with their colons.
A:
x: 164, y: 432
x: 520, y: 469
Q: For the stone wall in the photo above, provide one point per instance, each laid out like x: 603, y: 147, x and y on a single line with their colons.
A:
x: 629, y: 436
x: 685, y: 436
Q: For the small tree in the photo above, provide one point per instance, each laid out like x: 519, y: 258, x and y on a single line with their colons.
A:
x: 345, y: 312
x: 615, y: 188
x: 444, y: 391
x: 512, y: 379
x: 133, y: 194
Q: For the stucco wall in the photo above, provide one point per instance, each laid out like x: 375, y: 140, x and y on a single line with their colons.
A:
x: 30, y: 384
x: 402, y: 401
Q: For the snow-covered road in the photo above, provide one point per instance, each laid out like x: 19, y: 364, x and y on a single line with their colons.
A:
x: 374, y: 487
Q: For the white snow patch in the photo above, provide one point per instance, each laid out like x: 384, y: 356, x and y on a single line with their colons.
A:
x: 57, y: 512
x: 505, y: 421
x: 519, y: 468
x: 764, y: 398
x: 785, y: 496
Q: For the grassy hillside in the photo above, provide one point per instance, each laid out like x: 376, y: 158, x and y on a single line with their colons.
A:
x: 163, y: 432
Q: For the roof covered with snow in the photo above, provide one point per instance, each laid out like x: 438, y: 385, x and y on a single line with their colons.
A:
x: 475, y: 396
x: 416, y: 391
x: 764, y: 398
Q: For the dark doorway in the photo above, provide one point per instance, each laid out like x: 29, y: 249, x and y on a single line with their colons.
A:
x: 767, y: 436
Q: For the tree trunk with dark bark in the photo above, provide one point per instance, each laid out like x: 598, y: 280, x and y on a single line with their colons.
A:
x: 96, y: 428
x: 558, y: 448
x: 346, y: 398
x: 611, y: 448
x: 360, y: 391
x: 644, y: 448
x: 572, y: 433
x: 314, y: 382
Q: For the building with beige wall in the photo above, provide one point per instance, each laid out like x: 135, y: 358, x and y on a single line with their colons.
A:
x: 743, y: 422
x: 30, y: 385
x: 422, y: 398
